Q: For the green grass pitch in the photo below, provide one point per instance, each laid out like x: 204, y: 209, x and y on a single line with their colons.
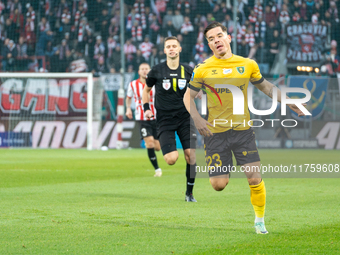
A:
x: 108, y: 202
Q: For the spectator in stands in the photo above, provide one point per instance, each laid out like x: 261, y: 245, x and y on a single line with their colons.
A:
x: 204, y: 7
x: 62, y: 59
x: 270, y: 31
x: 110, y: 46
x: 44, y: 25
x: 186, y: 49
x: 145, y: 48
x: 104, y: 24
x: 99, y: 67
x: 99, y: 48
x: 52, y: 19
x: 65, y: 23
x: 79, y: 64
x: 52, y: 57
x: 81, y: 32
x: 89, y: 42
x: 274, y: 44
x: 169, y: 16
x: 217, y: 13
x: 139, y: 59
x: 114, y: 28
x: 30, y: 37
x: 296, y: 17
x: 18, y: 21
x: 177, y: 20
x: 129, y: 50
x: 30, y: 13
x: 270, y: 15
x: 154, y: 27
x: 303, y: 12
x: 44, y: 38
x: 137, y: 32
x: 284, y: 17
x: 114, y: 62
x: 187, y: 28
x: 22, y: 48
x: 79, y: 15
x: 252, y: 17
x: 310, y: 8
x: 294, y: 8
x: 169, y: 30
x: 260, y: 30
x: 160, y: 7
x: 60, y: 7
x: 96, y: 12
x: 16, y: 5
x: 10, y: 29
x: 69, y: 59
x: 198, y: 51
x: 261, y: 55
x: 154, y: 57
x: 210, y: 18
x: 9, y: 56
x: 335, y: 56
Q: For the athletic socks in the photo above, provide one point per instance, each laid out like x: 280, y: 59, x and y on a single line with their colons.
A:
x: 190, y: 174
x: 258, y: 200
x: 153, y: 158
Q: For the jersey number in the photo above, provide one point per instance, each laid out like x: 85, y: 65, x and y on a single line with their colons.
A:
x: 144, y: 133
x: 214, y: 160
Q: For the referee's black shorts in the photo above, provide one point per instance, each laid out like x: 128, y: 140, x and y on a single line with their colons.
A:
x: 147, y: 128
x: 168, y: 124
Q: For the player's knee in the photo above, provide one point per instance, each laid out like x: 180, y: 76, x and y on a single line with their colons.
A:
x: 254, y: 181
x: 219, y: 183
x: 170, y: 159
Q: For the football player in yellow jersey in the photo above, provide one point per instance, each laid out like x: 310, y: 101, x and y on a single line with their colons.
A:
x: 233, y: 134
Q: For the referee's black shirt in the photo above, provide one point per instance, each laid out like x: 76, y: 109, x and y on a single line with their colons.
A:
x: 170, y: 86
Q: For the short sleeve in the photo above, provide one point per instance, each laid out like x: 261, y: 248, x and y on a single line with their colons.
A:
x: 196, y: 81
x: 129, y: 91
x: 151, y: 78
x: 256, y: 76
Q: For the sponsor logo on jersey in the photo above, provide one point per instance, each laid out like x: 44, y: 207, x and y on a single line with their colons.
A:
x: 227, y: 71
x: 213, y: 72
x: 166, y: 84
x: 182, y: 83
x: 240, y: 69
x: 173, y: 74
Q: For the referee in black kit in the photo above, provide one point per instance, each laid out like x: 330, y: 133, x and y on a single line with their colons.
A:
x: 170, y: 79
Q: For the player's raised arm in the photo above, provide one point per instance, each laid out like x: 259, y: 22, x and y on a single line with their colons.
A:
x: 200, y: 123
x: 267, y: 88
x: 146, y: 100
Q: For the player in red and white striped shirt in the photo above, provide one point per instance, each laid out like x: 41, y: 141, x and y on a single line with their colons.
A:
x: 147, y: 125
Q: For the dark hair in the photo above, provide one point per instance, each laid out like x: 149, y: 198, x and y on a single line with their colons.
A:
x: 213, y: 25
x: 171, y: 38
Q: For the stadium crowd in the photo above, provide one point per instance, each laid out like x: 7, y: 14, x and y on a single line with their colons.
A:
x: 81, y: 35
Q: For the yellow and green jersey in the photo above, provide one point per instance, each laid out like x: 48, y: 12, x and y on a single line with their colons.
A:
x: 211, y: 74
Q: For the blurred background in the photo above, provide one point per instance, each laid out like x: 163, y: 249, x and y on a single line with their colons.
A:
x: 296, y: 44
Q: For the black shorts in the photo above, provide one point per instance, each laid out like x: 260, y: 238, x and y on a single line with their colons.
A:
x: 148, y: 128
x: 218, y: 150
x: 168, y: 124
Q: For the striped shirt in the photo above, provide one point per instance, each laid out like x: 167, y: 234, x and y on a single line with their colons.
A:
x: 135, y: 90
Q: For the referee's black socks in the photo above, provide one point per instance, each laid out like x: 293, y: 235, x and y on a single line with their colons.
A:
x: 153, y: 158
x: 190, y: 174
